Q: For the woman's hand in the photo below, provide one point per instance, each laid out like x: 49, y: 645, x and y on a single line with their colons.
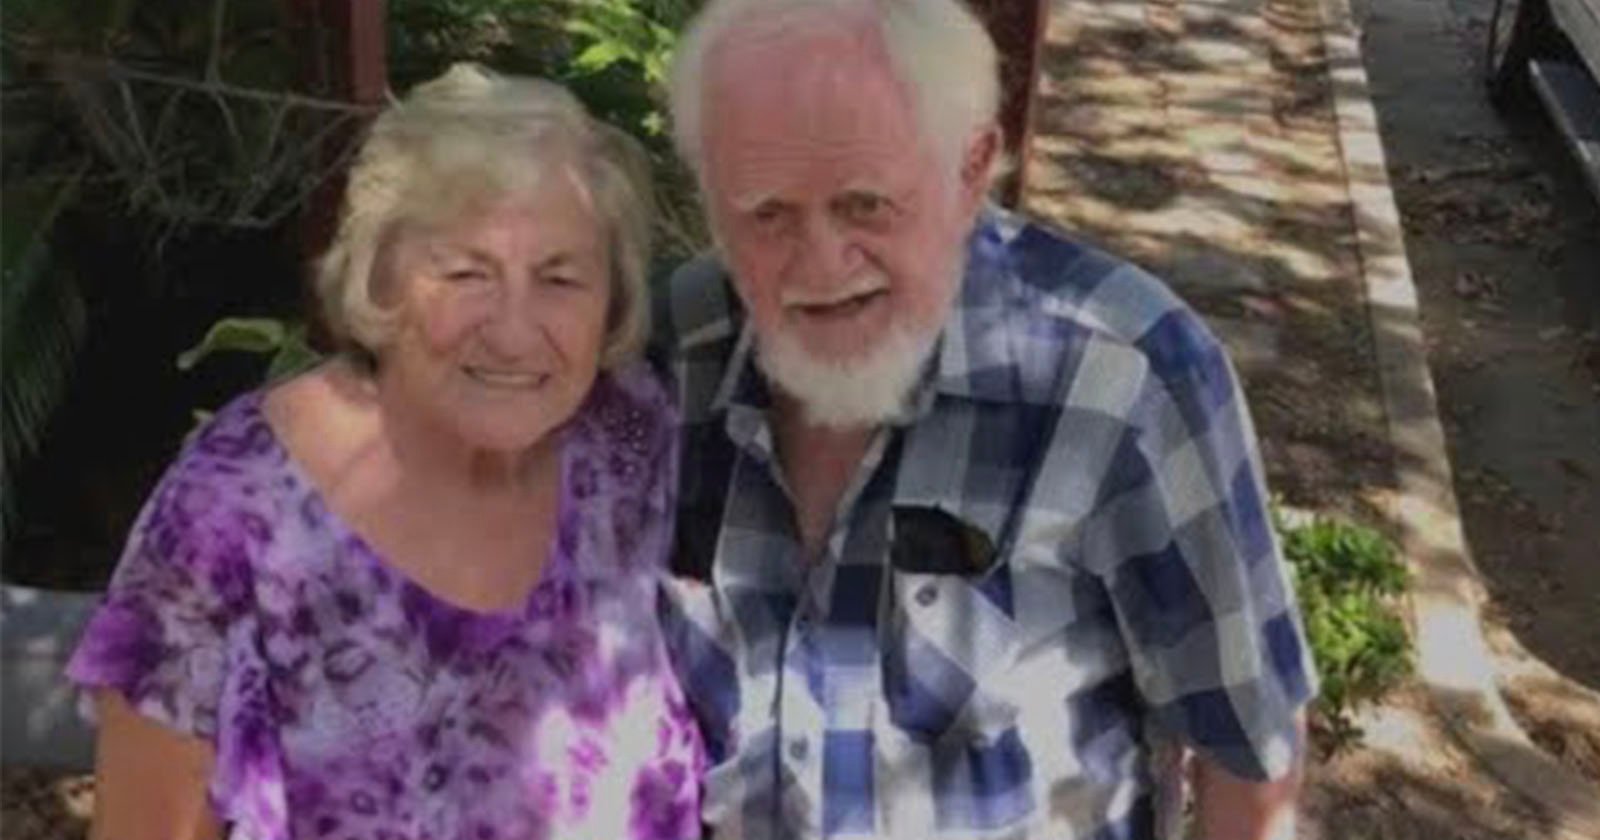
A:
x: 150, y: 781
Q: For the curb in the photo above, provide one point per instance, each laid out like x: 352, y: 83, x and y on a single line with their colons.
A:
x: 1453, y: 659
x: 39, y: 721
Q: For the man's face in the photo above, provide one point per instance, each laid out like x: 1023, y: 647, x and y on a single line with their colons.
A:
x: 844, y: 231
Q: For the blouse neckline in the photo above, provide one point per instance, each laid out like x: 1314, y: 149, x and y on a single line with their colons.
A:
x: 558, y: 563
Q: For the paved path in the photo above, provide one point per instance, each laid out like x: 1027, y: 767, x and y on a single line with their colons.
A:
x: 1198, y: 138
x: 1231, y: 146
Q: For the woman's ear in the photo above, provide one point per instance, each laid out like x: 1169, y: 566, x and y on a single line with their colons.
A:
x: 977, y: 165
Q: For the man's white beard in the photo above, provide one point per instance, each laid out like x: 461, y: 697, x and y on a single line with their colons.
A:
x: 864, y: 391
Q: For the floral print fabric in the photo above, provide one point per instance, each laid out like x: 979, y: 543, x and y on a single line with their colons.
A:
x: 345, y: 701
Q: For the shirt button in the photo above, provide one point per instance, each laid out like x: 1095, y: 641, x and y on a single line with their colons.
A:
x: 927, y: 595
x: 799, y: 748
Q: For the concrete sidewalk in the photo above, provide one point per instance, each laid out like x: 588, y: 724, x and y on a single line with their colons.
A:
x: 1231, y: 146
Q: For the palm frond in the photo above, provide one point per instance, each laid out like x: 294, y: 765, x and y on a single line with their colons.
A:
x: 42, y: 321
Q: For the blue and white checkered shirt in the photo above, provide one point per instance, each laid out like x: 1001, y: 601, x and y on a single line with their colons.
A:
x: 1060, y: 562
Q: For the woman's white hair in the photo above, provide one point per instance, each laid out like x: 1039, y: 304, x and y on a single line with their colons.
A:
x: 936, y: 48
x: 472, y: 137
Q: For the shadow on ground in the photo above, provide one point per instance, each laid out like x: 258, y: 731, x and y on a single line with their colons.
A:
x: 1207, y: 153
x: 1200, y: 140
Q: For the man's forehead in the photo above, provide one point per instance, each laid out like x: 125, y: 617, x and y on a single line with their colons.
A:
x: 821, y: 67
x: 758, y: 113
x: 748, y: 168
x: 756, y: 193
x: 800, y: 32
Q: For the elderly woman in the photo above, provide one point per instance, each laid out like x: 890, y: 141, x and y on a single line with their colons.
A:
x: 409, y: 594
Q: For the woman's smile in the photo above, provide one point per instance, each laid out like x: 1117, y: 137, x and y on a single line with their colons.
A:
x: 510, y: 380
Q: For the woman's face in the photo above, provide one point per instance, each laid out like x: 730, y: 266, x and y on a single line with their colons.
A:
x: 502, y: 316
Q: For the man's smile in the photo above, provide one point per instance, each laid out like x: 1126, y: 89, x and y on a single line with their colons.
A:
x: 840, y: 308
x: 843, y: 302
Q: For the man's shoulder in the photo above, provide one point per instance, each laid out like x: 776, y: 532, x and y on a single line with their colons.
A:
x: 1111, y: 298
x: 1062, y: 277
x: 697, y: 319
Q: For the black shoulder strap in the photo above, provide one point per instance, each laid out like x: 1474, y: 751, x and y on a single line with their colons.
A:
x: 702, y: 501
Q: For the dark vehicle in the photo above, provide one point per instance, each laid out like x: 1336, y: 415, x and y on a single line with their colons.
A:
x: 1550, y: 49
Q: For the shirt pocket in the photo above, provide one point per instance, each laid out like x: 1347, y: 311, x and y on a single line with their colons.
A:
x: 948, y: 647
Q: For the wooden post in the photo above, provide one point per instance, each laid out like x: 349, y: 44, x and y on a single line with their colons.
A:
x: 345, y: 57
x: 359, y: 49
x: 1017, y: 27
x: 344, y: 48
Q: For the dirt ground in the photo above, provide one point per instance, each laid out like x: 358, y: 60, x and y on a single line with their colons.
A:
x: 1505, y: 247
x: 1200, y: 139
x: 43, y: 805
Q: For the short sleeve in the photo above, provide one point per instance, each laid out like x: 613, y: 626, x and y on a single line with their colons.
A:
x: 1199, y: 587
x: 179, y: 592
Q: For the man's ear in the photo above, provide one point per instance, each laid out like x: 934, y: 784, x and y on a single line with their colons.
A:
x: 977, y: 165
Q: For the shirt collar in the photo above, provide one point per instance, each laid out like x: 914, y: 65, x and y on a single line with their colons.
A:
x: 977, y: 349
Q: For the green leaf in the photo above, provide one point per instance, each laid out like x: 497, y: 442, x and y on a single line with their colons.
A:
x: 1346, y: 579
x: 293, y: 356
x: 248, y: 335
x: 587, y: 28
x: 42, y: 320
x: 599, y: 56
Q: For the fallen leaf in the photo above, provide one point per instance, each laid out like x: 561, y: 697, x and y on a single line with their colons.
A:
x: 1573, y: 468
x: 1473, y: 285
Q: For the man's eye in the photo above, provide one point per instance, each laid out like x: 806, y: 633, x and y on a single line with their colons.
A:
x: 562, y: 280
x: 465, y: 275
x: 768, y: 215
x: 865, y: 207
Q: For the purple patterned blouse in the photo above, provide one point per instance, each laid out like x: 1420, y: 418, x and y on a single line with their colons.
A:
x: 345, y: 701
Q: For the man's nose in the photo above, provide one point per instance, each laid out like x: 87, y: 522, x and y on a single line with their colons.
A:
x: 827, y: 252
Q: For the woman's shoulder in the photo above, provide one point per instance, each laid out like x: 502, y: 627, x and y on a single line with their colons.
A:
x: 235, y: 503
x: 209, y: 514
x: 627, y: 428
x: 237, y: 467
x: 320, y: 417
x: 234, y: 446
x: 620, y: 474
x: 630, y: 404
x: 640, y: 382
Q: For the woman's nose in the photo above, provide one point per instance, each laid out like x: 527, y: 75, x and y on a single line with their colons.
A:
x: 512, y: 327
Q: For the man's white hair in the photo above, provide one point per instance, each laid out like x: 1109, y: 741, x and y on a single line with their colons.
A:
x: 936, y: 48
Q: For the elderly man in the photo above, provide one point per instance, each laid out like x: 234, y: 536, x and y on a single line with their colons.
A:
x: 972, y: 526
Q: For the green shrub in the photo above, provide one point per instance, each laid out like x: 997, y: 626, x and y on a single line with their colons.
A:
x: 1349, y: 581
x: 613, y: 54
